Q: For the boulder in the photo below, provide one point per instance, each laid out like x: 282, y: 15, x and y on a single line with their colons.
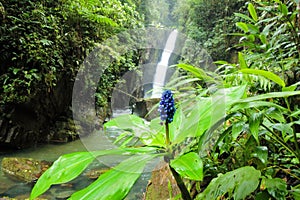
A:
x: 146, y: 108
x: 95, y: 173
x: 24, y: 169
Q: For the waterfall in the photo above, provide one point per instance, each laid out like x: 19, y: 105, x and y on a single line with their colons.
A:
x: 162, y: 66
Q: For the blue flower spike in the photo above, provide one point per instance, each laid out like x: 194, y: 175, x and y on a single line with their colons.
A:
x: 167, y: 107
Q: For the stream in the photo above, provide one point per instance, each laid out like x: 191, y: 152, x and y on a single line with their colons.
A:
x: 50, y: 152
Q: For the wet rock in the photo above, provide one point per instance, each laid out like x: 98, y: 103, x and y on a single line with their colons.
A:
x: 4, y: 186
x: 65, y: 130
x: 162, y: 184
x: 24, y: 169
x: 26, y: 197
x: 95, y: 173
x: 64, y: 194
x: 22, y: 189
x: 146, y: 108
x: 7, y: 198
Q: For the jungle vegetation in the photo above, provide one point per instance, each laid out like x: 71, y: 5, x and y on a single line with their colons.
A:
x: 235, y: 132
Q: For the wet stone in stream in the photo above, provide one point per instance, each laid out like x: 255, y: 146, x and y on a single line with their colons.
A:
x: 24, y: 169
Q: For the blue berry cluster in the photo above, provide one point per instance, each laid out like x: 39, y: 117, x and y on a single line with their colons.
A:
x: 167, y: 107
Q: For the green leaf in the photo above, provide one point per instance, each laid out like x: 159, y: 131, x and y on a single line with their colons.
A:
x: 276, y: 187
x: 261, y: 152
x: 69, y: 166
x: 263, y: 38
x: 243, y: 26
x: 276, y: 114
x: 295, y: 113
x: 16, y: 70
x: 262, y: 196
x: 149, y: 135
x: 117, y: 182
x: 283, y: 9
x: 245, y: 17
x: 296, y: 192
x: 270, y: 96
x: 196, y: 71
x: 66, y: 168
x: 269, y: 75
x: 177, y: 124
x: 256, y: 104
x: 221, y: 62
x: 237, y: 129
x: 291, y: 87
x: 208, y: 111
x: 242, y: 61
x: 252, y: 12
x: 189, y: 166
x: 254, y: 124
x: 127, y: 122
x: 238, y: 184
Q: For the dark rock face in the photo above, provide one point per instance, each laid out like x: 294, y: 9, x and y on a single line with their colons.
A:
x: 145, y: 108
x: 46, y: 117
x: 23, y: 125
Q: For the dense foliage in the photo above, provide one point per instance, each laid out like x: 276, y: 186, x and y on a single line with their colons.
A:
x: 43, y: 41
x: 232, y: 133
x: 209, y: 23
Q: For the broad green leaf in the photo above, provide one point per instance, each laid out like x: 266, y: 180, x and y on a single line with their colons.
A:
x: 276, y: 188
x: 117, y: 182
x: 66, y: 168
x: 291, y: 87
x: 177, y: 124
x: 127, y: 122
x: 243, y: 26
x: 156, y: 135
x: 261, y: 152
x: 189, y: 166
x: 254, y: 30
x: 69, y: 166
x: 237, y: 129
x: 270, y: 96
x: 269, y: 75
x: 283, y: 9
x: 276, y: 114
x: 148, y: 134
x: 242, y: 61
x: 256, y: 104
x: 252, y: 12
x: 238, y: 184
x: 208, y: 111
x: 254, y: 124
x: 285, y: 129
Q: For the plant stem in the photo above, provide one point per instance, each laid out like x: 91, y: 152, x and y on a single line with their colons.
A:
x: 184, y: 192
x: 167, y: 135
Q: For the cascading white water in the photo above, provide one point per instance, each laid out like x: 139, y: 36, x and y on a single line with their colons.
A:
x: 162, y: 66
